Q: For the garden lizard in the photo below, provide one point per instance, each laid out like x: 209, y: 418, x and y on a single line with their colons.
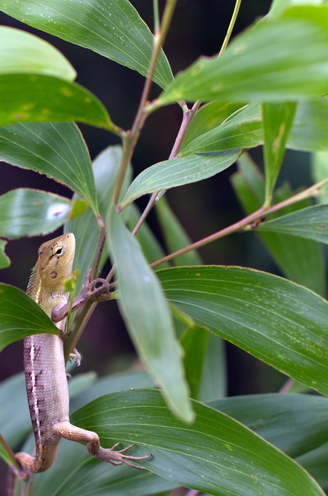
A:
x: 44, y: 365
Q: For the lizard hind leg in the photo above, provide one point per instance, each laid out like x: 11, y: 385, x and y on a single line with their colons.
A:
x: 73, y: 433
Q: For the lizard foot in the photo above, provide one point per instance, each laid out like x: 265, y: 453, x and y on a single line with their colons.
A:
x: 118, y: 457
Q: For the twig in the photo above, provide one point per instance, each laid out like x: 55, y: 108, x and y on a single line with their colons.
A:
x: 243, y: 223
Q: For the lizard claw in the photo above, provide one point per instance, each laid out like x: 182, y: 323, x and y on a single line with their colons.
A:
x: 75, y: 355
x: 118, y: 457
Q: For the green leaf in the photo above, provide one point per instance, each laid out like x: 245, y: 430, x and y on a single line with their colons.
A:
x: 113, y: 29
x: 277, y: 122
x: 282, y: 59
x: 244, y: 129
x: 112, y: 383
x: 36, y: 97
x: 275, y: 320
x: 301, y: 260
x: 81, y: 382
x: 315, y: 463
x: 30, y: 212
x: 310, y: 126
x: 309, y: 223
x: 194, y: 342
x: 23, y: 52
x: 278, y: 6
x: 85, y: 227
x: 294, y: 423
x: 206, y: 118
x: 179, y: 171
x: 319, y: 171
x: 76, y: 473
x: 4, y: 260
x: 216, y: 454
x: 20, y: 316
x: 14, y: 420
x: 57, y: 150
x: 214, y: 373
x: 175, y: 235
x: 147, y: 317
x: 150, y: 245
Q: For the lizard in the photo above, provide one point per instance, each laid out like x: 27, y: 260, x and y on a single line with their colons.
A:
x: 44, y: 366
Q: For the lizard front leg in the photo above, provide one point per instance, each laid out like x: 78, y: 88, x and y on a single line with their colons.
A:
x: 73, y: 433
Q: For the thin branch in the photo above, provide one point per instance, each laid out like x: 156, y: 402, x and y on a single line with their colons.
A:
x: 231, y: 26
x: 131, y: 138
x: 246, y: 221
x: 187, y: 117
x: 287, y: 386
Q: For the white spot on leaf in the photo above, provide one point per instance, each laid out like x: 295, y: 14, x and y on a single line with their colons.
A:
x: 57, y: 211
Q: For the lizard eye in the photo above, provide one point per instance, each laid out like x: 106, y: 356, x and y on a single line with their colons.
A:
x: 58, y: 251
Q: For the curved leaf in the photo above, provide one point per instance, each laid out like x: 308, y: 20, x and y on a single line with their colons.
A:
x: 315, y: 463
x: 4, y: 260
x: 319, y: 172
x: 179, y: 171
x: 216, y: 454
x: 277, y: 321
x: 24, y: 52
x: 20, y: 316
x: 280, y: 59
x: 85, y: 226
x: 15, y: 420
x: 57, y: 150
x: 242, y: 129
x: 36, y: 97
x: 174, y: 234
x: 30, y: 212
x: 207, y: 117
x: 310, y: 223
x: 150, y: 246
x: 301, y: 260
x: 113, y: 29
x: 294, y: 423
x: 277, y: 122
x: 110, y: 384
x: 147, y: 317
x: 76, y: 473
x: 310, y: 126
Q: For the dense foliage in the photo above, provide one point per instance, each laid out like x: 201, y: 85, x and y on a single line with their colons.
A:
x: 268, y: 87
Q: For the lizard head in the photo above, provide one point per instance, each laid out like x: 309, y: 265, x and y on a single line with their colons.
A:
x: 53, y: 267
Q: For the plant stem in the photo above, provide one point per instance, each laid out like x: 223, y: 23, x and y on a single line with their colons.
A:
x: 231, y: 26
x: 187, y: 116
x: 287, y: 386
x: 131, y: 138
x: 246, y: 221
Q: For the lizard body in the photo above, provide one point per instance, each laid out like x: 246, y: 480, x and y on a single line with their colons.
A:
x: 44, y: 365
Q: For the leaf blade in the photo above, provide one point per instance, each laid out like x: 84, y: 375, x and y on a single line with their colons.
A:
x: 216, y: 454
x: 37, y: 97
x: 16, y: 324
x: 30, y: 212
x: 147, y: 316
x: 301, y: 260
x: 277, y: 121
x: 270, y: 61
x: 24, y: 52
x: 113, y: 30
x: 309, y: 223
x: 179, y: 171
x: 272, y: 318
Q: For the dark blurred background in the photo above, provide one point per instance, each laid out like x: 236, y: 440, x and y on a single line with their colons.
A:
x: 198, y: 28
